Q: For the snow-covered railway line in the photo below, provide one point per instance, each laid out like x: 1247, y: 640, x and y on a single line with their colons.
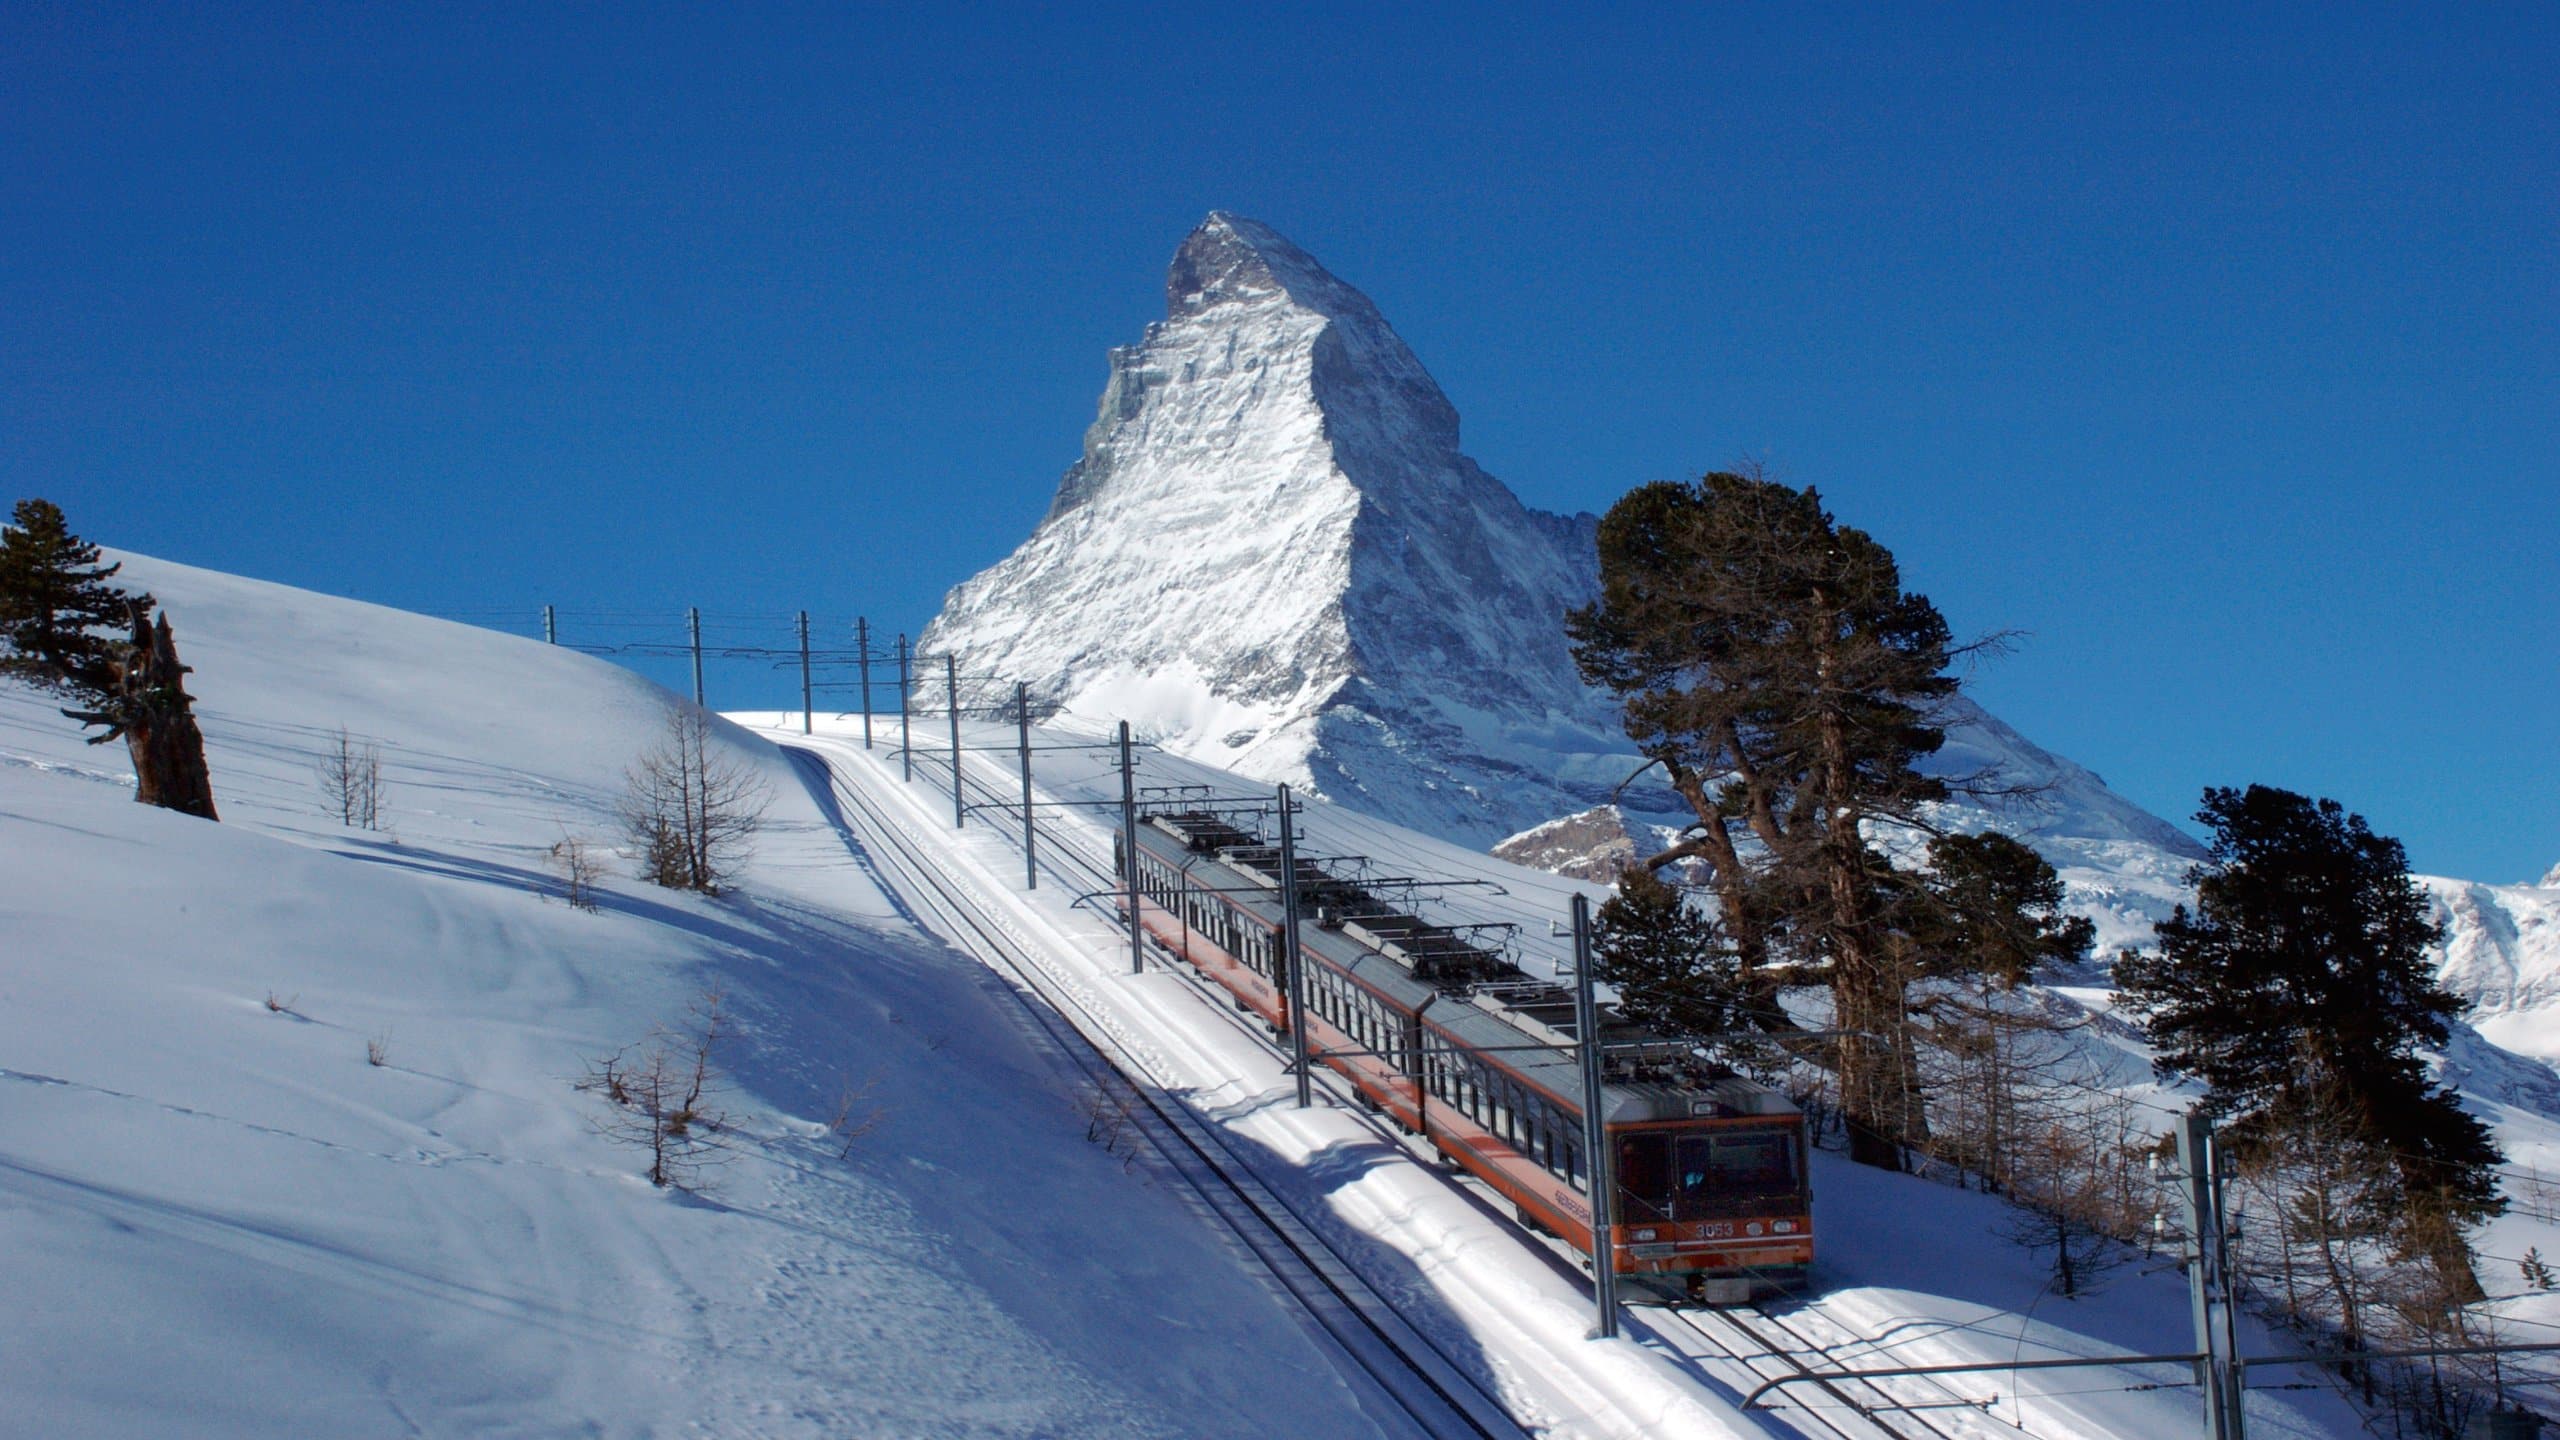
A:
x: 1766, y: 1347
x: 1744, y: 1346
x: 1399, y: 1364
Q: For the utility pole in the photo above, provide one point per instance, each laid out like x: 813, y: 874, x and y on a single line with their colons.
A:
x: 1030, y: 861
x: 1129, y: 850
x: 1595, y: 1124
x: 550, y: 629
x: 806, y: 716
x: 2200, y: 1197
x: 693, y: 627
x: 951, y: 690
x: 2235, y: 1370
x: 906, y: 727
x: 862, y: 659
x: 1297, y: 977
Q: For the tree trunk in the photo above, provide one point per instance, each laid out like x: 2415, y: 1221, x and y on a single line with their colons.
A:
x: 160, y: 725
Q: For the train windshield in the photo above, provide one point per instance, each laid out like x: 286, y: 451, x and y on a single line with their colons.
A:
x: 1699, y: 1176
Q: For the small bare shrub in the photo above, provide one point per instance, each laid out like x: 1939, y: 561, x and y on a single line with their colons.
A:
x: 377, y: 1049
x: 579, y: 871
x: 663, y: 1093
x: 351, y: 780
x: 854, y: 1116
x: 283, y: 1005
x: 1110, y: 1116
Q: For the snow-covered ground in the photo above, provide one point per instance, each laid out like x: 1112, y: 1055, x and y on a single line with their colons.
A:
x: 224, y: 1221
x: 221, y: 1220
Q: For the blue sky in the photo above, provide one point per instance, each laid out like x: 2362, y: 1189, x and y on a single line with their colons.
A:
x: 2219, y: 352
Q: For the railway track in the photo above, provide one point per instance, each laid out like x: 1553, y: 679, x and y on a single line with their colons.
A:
x: 1766, y: 1346
x: 1396, y: 1365
x: 1736, y: 1347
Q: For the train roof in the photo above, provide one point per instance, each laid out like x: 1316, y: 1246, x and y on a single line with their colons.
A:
x: 1470, y: 992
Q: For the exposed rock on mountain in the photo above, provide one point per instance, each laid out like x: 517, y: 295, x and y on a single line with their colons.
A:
x: 1593, y: 845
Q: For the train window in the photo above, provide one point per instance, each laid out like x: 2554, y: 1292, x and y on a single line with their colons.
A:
x: 1722, y: 1174
x: 1759, y: 1163
x: 1644, y: 1179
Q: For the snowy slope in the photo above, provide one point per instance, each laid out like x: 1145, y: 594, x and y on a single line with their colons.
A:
x: 1274, y: 557
x: 223, y: 1221
x: 2502, y: 953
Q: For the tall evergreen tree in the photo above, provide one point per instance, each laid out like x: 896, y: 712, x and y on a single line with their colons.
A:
x: 1771, y: 662
x: 2300, y: 988
x: 55, y: 602
x: 63, y: 628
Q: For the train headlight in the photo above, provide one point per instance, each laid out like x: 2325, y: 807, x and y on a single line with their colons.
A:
x: 1754, y: 1228
x: 1640, y: 1235
x: 1784, y: 1227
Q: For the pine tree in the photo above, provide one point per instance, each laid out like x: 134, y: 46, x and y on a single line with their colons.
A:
x: 54, y: 602
x: 1670, y: 963
x: 1771, y: 662
x: 2299, y: 988
x: 1988, y: 906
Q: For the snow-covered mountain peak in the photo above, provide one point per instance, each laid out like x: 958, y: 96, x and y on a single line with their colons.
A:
x: 1272, y: 555
x: 1232, y: 260
x: 1274, y: 558
x: 1232, y: 272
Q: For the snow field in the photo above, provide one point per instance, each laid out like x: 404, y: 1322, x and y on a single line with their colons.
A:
x: 223, y: 1221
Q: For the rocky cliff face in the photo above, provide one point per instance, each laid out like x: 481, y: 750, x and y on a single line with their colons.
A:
x: 1273, y: 557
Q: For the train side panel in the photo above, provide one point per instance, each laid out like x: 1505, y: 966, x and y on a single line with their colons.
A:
x: 1767, y: 1248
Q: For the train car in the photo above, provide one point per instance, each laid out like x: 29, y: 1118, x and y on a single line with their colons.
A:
x: 1459, y: 1046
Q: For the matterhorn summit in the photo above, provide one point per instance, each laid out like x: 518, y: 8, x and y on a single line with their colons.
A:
x: 1273, y: 557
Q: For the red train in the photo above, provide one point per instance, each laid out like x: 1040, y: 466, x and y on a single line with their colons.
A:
x: 1461, y: 1047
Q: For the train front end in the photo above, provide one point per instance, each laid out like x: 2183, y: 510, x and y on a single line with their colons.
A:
x: 1714, y: 1205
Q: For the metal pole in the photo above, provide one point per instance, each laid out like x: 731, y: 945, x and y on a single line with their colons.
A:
x: 693, y: 627
x: 862, y: 658
x: 2195, y: 1137
x: 1030, y: 838
x: 1289, y: 953
x: 1129, y: 851
x: 550, y: 629
x: 806, y: 716
x: 906, y: 725
x: 951, y: 691
x: 1595, y: 1124
x: 2235, y: 1373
